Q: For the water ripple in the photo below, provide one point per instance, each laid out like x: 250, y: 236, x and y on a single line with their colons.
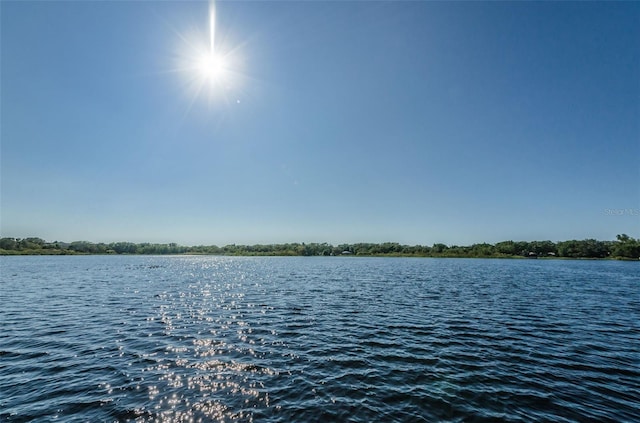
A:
x: 173, y: 339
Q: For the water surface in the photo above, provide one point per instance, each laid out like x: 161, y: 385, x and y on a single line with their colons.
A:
x: 117, y: 338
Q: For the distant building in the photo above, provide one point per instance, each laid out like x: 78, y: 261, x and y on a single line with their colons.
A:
x: 346, y: 253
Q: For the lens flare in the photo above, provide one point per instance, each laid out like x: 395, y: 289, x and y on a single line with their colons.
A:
x: 212, y: 26
x: 212, y: 66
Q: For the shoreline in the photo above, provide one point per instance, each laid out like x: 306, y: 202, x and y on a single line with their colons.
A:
x: 624, y: 247
x: 15, y: 253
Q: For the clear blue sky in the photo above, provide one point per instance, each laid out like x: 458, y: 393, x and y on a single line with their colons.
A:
x: 415, y: 122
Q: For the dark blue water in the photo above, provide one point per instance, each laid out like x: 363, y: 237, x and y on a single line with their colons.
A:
x: 174, y: 339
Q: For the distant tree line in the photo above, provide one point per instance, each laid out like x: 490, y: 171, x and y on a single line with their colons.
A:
x: 623, y: 247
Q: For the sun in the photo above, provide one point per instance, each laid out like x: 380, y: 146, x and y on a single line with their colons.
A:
x: 212, y: 67
x: 212, y: 70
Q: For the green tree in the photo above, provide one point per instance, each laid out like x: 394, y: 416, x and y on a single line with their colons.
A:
x: 8, y: 243
x: 439, y: 248
x: 508, y: 248
x: 626, y: 247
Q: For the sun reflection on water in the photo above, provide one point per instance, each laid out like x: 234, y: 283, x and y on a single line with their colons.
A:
x: 206, y: 366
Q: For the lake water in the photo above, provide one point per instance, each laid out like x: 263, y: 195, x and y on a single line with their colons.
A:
x: 175, y: 339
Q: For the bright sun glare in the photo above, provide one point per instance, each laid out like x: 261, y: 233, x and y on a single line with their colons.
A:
x: 211, y: 66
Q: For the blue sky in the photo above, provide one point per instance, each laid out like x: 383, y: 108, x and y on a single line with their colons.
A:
x: 415, y: 122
